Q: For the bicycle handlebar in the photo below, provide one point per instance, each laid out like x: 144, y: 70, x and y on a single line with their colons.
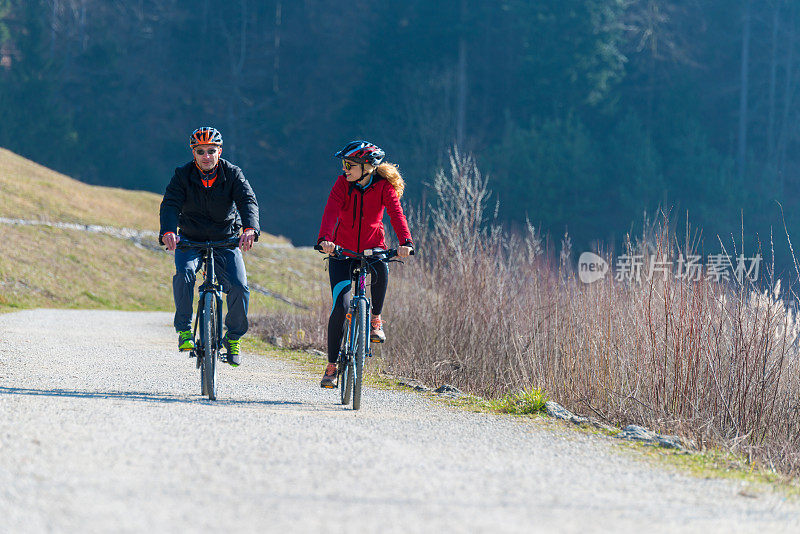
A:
x: 368, y: 253
x: 231, y: 242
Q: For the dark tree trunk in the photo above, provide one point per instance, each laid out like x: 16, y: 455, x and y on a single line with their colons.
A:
x: 276, y: 60
x: 743, y: 119
x: 773, y: 69
x: 787, y: 96
x: 461, y: 112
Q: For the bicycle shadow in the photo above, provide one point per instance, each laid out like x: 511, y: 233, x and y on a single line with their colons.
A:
x: 139, y: 396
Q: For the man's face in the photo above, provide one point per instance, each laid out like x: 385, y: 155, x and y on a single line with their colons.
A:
x: 207, y: 156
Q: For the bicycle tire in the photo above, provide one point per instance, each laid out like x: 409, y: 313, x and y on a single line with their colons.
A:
x: 346, y: 386
x: 210, y: 346
x: 346, y: 367
x: 361, y: 351
x: 203, y: 390
x: 198, y: 355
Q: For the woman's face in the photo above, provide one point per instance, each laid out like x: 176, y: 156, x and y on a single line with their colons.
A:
x: 355, y: 171
x: 207, y: 156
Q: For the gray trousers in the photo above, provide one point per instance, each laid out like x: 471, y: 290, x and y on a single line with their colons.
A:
x: 230, y: 271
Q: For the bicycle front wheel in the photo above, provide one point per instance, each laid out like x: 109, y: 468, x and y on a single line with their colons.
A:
x: 362, y: 337
x: 210, y: 345
x: 346, y: 382
x: 345, y: 367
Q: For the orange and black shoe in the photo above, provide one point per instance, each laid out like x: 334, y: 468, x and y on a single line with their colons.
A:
x: 329, y: 378
x: 376, y: 334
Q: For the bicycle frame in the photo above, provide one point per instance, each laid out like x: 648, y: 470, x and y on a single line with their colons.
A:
x: 353, y: 355
x: 209, y: 285
x: 359, y: 294
x: 209, y: 344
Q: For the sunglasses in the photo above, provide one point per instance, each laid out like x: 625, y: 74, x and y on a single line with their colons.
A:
x: 347, y: 165
x: 201, y: 152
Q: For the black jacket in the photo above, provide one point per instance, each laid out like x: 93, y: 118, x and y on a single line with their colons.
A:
x: 208, y: 214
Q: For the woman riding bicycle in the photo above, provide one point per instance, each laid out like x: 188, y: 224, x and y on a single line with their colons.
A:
x: 353, y: 219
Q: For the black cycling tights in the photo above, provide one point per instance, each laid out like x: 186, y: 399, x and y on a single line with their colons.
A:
x: 340, y: 271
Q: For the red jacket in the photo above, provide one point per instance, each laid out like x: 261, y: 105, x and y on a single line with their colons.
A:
x: 353, y: 217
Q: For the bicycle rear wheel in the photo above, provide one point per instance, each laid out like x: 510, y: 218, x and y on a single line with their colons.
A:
x: 210, y: 345
x: 361, y: 350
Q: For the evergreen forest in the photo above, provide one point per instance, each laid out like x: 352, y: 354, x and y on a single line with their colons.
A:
x: 583, y: 114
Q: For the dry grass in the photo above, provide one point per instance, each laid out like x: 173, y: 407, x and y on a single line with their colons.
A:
x: 493, y: 315
x: 71, y: 269
x: 50, y: 267
x: 31, y: 191
x: 42, y: 266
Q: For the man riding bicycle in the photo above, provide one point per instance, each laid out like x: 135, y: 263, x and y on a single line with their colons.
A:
x: 209, y: 199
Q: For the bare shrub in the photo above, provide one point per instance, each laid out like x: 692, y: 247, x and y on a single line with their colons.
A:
x: 296, y: 330
x: 492, y: 314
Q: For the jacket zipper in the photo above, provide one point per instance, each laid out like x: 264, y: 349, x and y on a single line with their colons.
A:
x: 360, y: 216
x: 206, y: 195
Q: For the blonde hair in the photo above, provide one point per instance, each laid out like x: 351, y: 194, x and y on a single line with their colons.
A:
x: 391, y: 174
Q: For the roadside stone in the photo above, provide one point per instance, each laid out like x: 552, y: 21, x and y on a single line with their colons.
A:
x: 554, y: 409
x: 276, y: 340
x: 670, y: 442
x: 447, y: 389
x: 637, y: 433
x: 316, y: 352
x: 413, y: 384
x: 602, y: 426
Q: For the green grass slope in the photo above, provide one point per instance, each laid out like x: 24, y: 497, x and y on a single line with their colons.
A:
x: 44, y: 266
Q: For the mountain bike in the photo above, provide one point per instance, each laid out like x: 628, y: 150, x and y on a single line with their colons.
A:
x: 356, y: 344
x: 208, y: 321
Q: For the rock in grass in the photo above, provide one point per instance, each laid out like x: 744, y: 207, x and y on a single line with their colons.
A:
x: 413, y: 384
x: 637, y: 433
x: 670, y: 442
x: 602, y: 426
x: 630, y: 432
x: 554, y: 409
x: 449, y: 390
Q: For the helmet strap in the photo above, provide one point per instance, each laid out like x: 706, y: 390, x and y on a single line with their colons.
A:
x: 365, y: 174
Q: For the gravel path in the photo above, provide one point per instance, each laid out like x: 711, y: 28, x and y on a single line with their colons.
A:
x: 102, y: 429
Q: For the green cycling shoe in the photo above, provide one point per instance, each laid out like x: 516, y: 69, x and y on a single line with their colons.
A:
x: 232, y: 346
x: 185, y: 341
